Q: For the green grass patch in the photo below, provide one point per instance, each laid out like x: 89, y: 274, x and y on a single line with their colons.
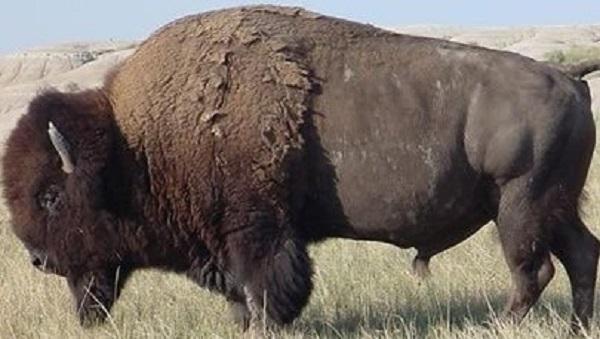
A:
x: 573, y: 54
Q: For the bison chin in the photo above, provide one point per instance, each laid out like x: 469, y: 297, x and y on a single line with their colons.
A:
x: 95, y: 292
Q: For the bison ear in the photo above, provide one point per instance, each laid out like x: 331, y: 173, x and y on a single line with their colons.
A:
x: 62, y: 148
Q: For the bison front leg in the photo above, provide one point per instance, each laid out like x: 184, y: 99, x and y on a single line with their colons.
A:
x: 280, y: 287
x: 276, y: 274
x: 208, y: 273
x: 95, y: 292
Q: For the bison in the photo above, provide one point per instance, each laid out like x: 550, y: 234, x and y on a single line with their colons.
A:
x: 231, y: 140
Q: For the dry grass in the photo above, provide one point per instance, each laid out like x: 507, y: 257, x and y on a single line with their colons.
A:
x: 573, y: 54
x: 363, y: 290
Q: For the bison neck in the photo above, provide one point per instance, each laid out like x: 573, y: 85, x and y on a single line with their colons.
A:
x: 152, y: 235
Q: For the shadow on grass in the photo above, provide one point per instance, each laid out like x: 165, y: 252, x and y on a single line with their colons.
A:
x: 419, y: 319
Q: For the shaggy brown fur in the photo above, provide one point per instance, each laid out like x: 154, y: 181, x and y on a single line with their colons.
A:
x: 87, y: 119
x: 232, y: 139
x: 130, y: 203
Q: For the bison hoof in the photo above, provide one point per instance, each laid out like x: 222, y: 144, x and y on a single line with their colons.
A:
x: 240, y: 314
x: 92, y: 315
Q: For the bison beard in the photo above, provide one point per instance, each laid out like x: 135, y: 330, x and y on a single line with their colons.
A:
x: 95, y: 292
x: 231, y: 140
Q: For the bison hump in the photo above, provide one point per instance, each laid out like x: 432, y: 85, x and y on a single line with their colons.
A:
x: 232, y: 85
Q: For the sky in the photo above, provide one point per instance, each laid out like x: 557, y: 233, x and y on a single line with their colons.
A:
x: 34, y: 23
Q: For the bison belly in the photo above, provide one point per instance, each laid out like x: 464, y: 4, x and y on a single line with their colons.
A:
x: 394, y: 139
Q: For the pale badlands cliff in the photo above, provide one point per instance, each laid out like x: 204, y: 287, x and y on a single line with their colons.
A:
x: 76, y: 66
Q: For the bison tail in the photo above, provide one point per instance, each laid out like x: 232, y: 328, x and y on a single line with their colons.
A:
x: 278, y: 286
x: 579, y: 70
x: 582, y: 69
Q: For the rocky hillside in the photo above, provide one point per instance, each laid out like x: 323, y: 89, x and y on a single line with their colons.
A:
x: 78, y: 66
x: 68, y: 67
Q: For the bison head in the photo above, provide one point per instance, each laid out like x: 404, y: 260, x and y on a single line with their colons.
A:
x: 54, y: 168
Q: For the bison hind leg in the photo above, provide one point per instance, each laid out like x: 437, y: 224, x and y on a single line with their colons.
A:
x: 521, y: 225
x: 578, y: 250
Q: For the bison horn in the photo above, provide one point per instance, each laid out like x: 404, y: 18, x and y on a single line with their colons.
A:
x: 62, y: 147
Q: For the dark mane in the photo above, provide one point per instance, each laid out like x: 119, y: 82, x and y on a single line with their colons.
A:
x: 31, y: 164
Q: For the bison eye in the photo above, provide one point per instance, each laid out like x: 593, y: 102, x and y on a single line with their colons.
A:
x: 50, y: 199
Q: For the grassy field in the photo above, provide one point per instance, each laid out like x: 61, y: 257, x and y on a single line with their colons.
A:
x: 363, y: 290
